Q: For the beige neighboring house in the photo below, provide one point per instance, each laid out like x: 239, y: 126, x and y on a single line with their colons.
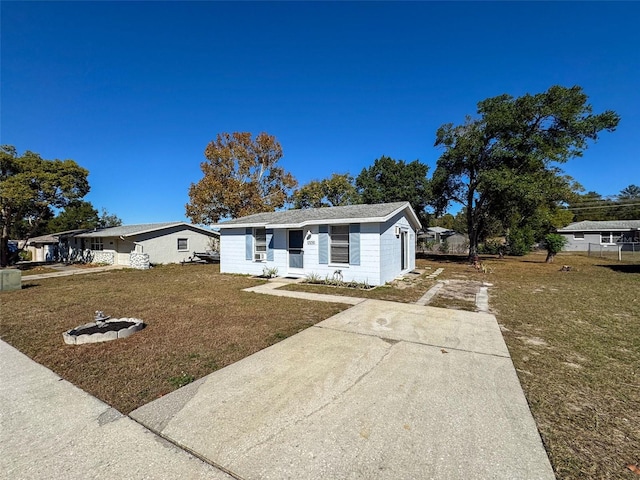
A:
x: 54, y: 247
x: 138, y: 246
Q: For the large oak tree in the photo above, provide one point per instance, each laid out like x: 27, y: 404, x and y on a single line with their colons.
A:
x: 504, y: 163
x: 389, y: 180
x: 241, y: 177
x: 30, y: 187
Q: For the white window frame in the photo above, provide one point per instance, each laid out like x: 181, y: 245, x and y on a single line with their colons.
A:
x: 186, y: 249
x: 578, y: 235
x: 97, y: 244
x: 339, y: 243
x: 259, y: 244
x: 602, y: 241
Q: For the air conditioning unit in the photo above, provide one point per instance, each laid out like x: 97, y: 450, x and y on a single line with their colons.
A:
x: 260, y: 257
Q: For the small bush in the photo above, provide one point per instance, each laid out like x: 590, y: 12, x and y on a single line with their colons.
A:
x: 313, y: 278
x: 270, y: 272
x: 490, y: 247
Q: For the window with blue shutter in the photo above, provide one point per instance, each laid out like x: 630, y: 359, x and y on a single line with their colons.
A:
x: 270, y: 244
x: 354, y: 244
x: 323, y: 245
x: 248, y: 238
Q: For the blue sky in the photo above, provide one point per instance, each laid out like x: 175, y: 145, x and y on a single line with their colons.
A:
x: 134, y: 91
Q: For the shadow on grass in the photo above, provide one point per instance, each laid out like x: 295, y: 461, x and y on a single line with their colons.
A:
x: 436, y: 257
x: 623, y: 268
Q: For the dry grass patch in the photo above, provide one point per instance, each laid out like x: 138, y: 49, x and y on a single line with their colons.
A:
x: 575, y: 341
x: 197, y: 322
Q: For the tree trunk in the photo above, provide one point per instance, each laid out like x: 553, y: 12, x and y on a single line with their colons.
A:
x: 4, y: 249
x: 550, y: 257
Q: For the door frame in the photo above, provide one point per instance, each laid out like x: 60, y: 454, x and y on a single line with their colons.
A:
x: 293, y: 270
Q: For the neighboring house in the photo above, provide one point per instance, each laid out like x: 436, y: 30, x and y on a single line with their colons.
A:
x: 55, y: 247
x: 437, y: 234
x: 138, y: 246
x: 587, y: 235
x: 364, y: 243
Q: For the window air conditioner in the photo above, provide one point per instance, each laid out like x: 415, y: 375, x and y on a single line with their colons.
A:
x: 260, y: 257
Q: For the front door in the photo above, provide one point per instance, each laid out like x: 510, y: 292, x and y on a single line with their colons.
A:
x: 296, y: 252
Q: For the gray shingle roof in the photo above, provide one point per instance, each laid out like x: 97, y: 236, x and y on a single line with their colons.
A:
x: 130, y: 230
x: 299, y: 217
x: 596, y: 226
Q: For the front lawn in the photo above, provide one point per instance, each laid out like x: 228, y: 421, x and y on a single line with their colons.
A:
x: 197, y: 322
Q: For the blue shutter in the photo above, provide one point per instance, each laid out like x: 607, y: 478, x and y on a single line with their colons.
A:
x: 323, y: 245
x: 354, y: 244
x: 270, y: 244
x: 248, y: 244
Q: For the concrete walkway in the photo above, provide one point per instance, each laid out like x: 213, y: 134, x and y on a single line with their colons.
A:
x: 72, y: 271
x: 381, y: 390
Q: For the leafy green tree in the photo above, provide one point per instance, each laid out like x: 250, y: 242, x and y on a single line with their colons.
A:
x: 107, y: 219
x: 554, y: 243
x: 241, y: 177
x: 338, y: 190
x: 629, y: 203
x: 389, y: 180
x: 445, y: 221
x: 77, y: 214
x: 30, y: 187
x: 632, y: 192
x: 502, y: 165
x: 591, y: 206
x: 80, y: 214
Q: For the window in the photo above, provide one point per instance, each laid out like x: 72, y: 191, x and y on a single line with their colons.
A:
x: 339, y: 244
x: 96, y: 244
x: 605, y: 237
x: 578, y: 236
x: 260, y: 244
x: 183, y: 244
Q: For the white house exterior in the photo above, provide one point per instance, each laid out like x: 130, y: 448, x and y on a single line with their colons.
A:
x: 587, y: 235
x: 140, y: 245
x: 365, y: 243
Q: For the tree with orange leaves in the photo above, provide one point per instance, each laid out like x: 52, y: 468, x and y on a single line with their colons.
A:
x: 241, y: 177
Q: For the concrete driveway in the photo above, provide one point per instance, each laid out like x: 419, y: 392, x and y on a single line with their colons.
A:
x: 380, y: 391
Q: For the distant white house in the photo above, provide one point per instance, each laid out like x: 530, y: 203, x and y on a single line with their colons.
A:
x: 140, y: 245
x: 364, y: 243
x: 587, y: 235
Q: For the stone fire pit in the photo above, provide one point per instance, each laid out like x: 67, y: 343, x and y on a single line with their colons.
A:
x: 103, y: 329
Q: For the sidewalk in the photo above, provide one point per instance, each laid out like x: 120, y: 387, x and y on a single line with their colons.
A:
x: 50, y: 429
x: 73, y: 271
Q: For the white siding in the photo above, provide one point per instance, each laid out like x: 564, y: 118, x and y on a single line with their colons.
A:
x: 162, y: 245
x: 367, y: 271
x: 379, y: 253
x: 390, y: 248
x: 233, y: 253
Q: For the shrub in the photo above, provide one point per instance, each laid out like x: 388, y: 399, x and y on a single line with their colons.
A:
x: 490, y: 247
x: 554, y: 243
x: 269, y: 272
x: 520, y: 241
